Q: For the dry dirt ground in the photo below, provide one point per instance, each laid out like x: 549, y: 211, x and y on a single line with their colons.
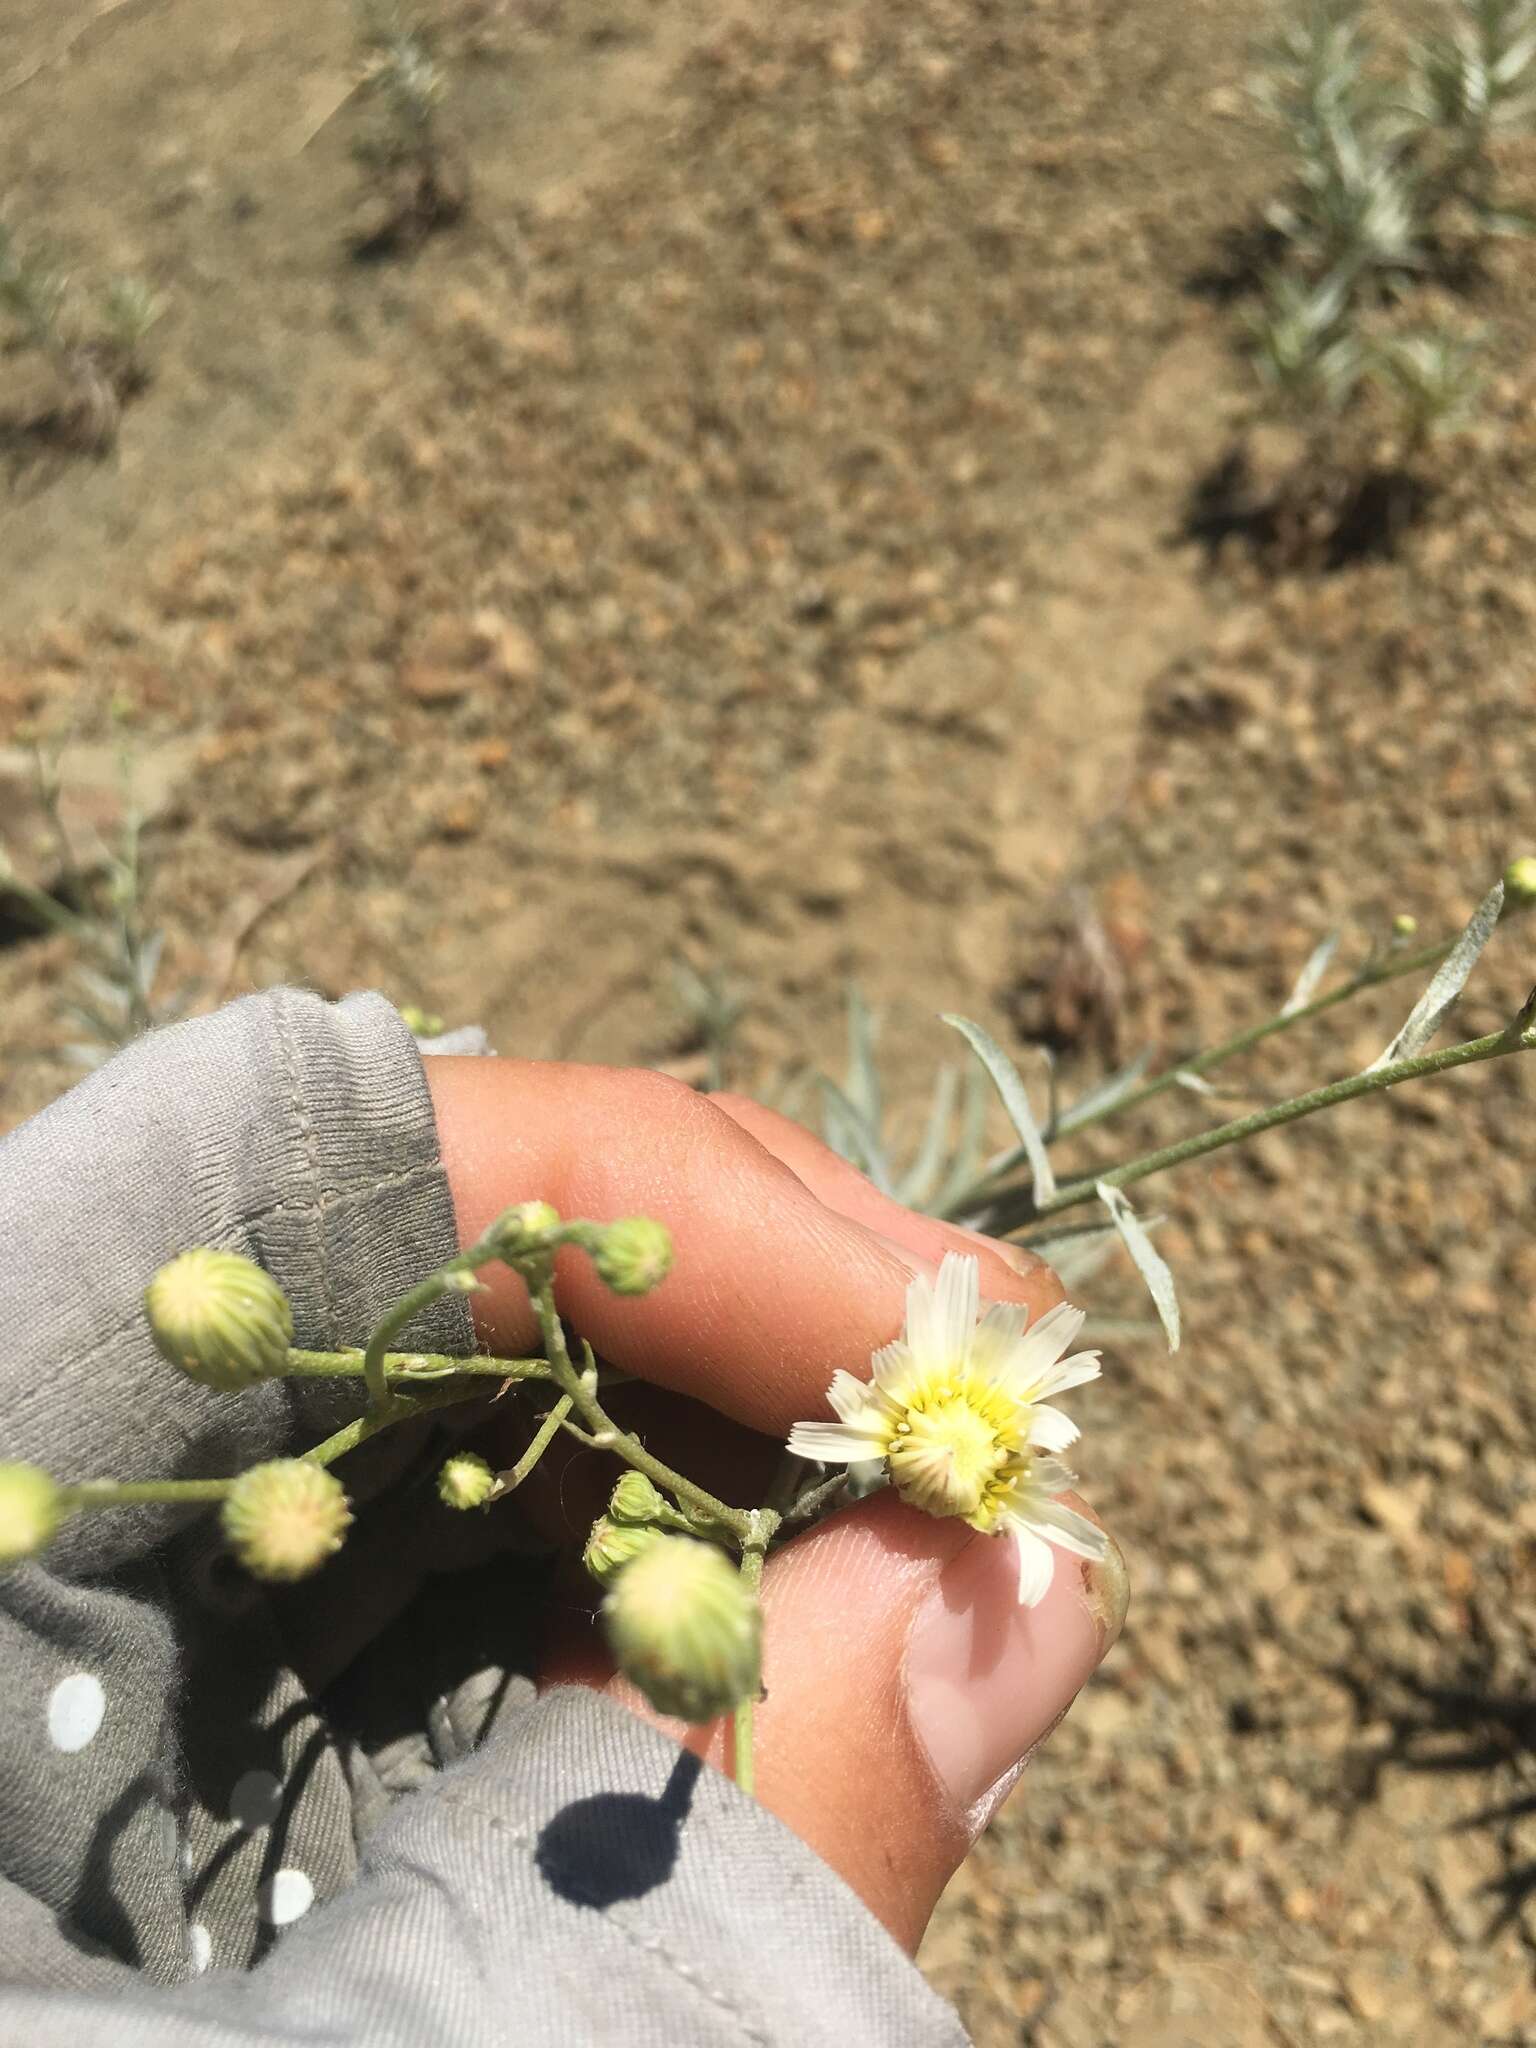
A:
x: 754, y: 537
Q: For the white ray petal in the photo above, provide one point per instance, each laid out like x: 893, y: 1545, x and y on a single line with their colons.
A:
x: 1051, y: 1477
x: 851, y: 1398
x: 891, y: 1365
x: 1037, y: 1566
x: 1050, y: 1430
x: 1005, y: 1320
x: 1064, y: 1527
x: 1040, y: 1347
x: 956, y: 1300
x: 1075, y: 1371
x: 917, y: 1335
x: 836, y: 1443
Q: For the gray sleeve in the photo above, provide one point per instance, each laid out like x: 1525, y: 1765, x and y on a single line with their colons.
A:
x: 577, y: 1879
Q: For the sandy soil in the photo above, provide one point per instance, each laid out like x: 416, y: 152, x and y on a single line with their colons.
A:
x: 755, y: 537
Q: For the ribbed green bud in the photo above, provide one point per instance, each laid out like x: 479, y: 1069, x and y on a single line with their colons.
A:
x: 31, y: 1509
x: 612, y: 1545
x: 684, y: 1628
x: 220, y: 1318
x: 284, y: 1519
x: 527, y: 1226
x: 638, y: 1503
x: 1404, y: 925
x: 466, y: 1481
x: 633, y: 1255
x: 1520, y: 883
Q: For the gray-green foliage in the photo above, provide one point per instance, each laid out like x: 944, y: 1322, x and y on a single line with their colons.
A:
x: 401, y: 75
x: 94, y: 342
x: 951, y: 1175
x: 98, y: 902
x: 1391, y: 167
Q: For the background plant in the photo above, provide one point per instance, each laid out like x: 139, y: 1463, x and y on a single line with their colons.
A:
x: 420, y: 182
x: 97, y: 899
x: 1394, y: 185
x: 94, y: 343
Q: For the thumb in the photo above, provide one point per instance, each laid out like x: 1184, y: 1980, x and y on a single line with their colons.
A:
x: 905, y: 1690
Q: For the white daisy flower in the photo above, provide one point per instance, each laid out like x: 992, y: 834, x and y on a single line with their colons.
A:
x: 955, y: 1412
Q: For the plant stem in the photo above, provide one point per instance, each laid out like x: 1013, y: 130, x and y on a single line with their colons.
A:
x: 422, y: 1295
x: 545, y: 1435
x: 395, y: 1409
x: 1383, y: 968
x: 754, y: 1550
x: 1518, y: 1038
x: 410, y: 1368
x: 124, y: 1493
x: 581, y: 1389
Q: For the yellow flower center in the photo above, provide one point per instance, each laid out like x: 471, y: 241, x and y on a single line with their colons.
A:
x: 958, y: 1448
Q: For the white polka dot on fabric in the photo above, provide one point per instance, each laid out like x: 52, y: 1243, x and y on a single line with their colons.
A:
x: 285, y: 1897
x: 199, y: 1946
x: 257, y: 1799
x: 75, y: 1709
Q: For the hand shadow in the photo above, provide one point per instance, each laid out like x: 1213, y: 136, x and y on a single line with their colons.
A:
x: 617, y: 1845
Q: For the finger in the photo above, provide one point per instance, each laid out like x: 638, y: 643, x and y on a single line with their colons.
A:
x: 853, y: 1194
x: 771, y: 1290
x: 905, y: 1690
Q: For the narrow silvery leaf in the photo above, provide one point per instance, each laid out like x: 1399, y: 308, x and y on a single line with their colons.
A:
x: 1320, y: 960
x: 1150, y: 1263
x: 1437, y: 1001
x: 1076, y: 1259
x: 1195, y: 1083
x: 862, y: 1086
x: 848, y: 1132
x: 1101, y: 1099
x: 920, y: 1178
x: 966, y: 1163
x: 1006, y: 1080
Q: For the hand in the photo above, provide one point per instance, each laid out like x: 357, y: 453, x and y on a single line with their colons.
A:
x: 905, y: 1686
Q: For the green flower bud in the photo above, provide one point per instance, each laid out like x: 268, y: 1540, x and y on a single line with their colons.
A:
x: 635, y: 1499
x: 466, y: 1481
x: 284, y: 1519
x: 420, y: 1023
x: 220, y: 1318
x: 612, y: 1545
x: 1404, y: 925
x: 638, y: 1504
x: 527, y: 1226
x: 633, y: 1255
x: 1520, y: 883
x: 684, y: 1628
x: 31, y: 1509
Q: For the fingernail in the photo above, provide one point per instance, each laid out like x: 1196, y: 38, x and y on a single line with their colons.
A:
x: 1014, y: 1255
x: 987, y: 1679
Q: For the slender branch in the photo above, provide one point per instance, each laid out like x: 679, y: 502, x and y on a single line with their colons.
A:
x: 411, y: 1368
x: 1520, y: 1037
x: 809, y: 1506
x: 543, y: 1437
x: 582, y: 1389
x: 125, y: 1493
x: 395, y: 1409
x: 1381, y: 968
x: 456, y: 1273
x: 754, y: 1550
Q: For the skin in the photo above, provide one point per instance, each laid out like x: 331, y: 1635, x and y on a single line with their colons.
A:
x: 788, y: 1265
